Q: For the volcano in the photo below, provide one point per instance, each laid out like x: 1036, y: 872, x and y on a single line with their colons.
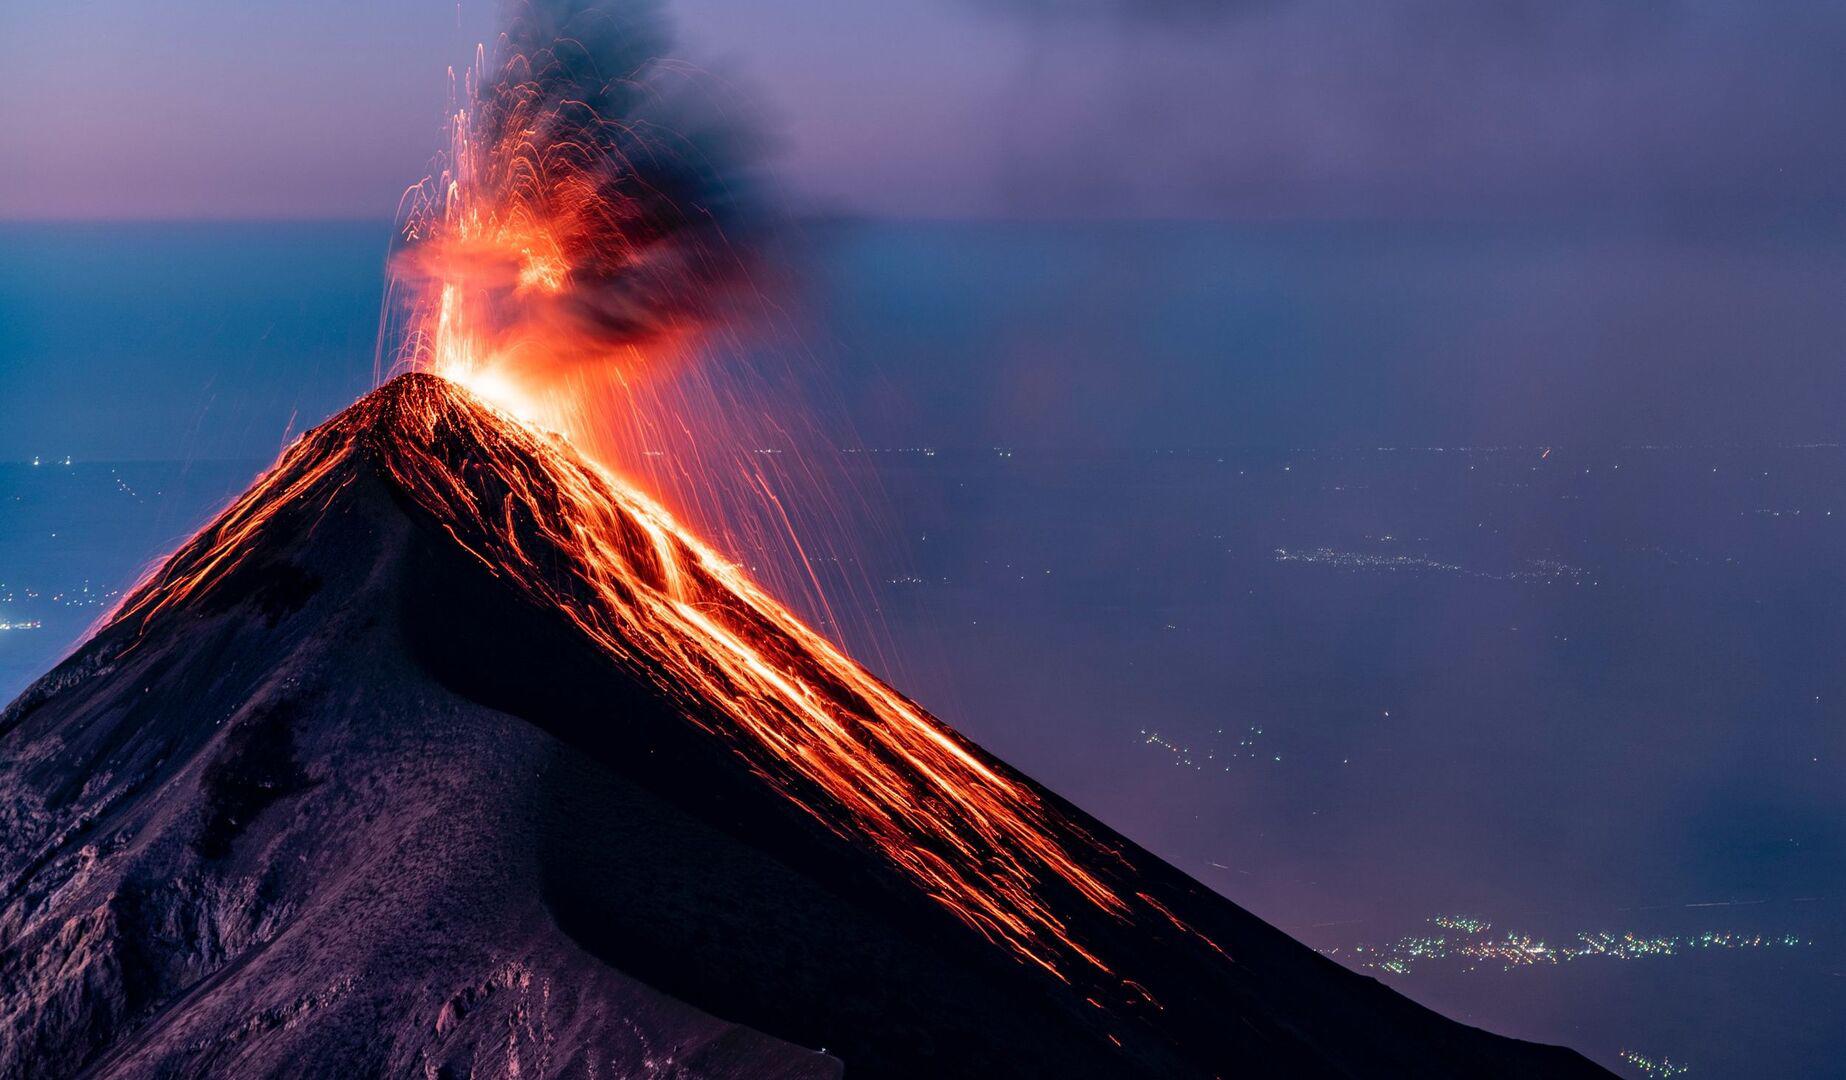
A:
x: 443, y: 753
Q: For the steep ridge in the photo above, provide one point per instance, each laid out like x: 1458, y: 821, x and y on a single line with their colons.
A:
x: 444, y: 753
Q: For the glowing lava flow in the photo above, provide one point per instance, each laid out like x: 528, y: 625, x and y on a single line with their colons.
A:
x: 829, y: 735
x: 652, y: 594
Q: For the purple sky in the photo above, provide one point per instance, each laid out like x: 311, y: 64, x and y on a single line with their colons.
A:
x: 1090, y: 108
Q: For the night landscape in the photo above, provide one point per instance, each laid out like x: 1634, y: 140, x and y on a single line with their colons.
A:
x: 593, y: 538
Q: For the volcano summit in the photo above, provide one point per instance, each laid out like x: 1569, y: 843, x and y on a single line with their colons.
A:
x: 443, y: 753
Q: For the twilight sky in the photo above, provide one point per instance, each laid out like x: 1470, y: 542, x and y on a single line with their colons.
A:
x: 1085, y: 108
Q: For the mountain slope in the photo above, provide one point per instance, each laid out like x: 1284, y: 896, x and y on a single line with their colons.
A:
x: 442, y: 753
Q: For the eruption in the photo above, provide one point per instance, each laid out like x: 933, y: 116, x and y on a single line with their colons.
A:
x: 569, y: 257
x: 587, y: 219
x: 588, y: 255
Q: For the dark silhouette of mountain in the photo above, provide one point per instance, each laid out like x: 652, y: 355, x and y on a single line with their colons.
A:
x: 367, y: 780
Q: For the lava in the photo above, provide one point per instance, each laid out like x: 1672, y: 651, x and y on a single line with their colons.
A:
x: 572, y: 537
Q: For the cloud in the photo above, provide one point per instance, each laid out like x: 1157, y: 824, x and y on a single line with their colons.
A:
x: 1429, y: 106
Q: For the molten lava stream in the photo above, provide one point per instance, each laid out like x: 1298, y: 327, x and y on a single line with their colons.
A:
x: 654, y: 593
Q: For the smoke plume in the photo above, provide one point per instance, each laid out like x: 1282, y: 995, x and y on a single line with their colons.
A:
x: 594, y: 198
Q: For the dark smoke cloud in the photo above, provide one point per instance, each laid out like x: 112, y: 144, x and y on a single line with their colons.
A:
x: 644, y: 179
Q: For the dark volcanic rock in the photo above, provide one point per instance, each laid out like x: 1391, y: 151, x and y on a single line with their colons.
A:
x: 360, y: 809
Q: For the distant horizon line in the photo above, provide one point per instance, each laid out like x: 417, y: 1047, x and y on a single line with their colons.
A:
x: 1654, y: 217
x: 60, y: 461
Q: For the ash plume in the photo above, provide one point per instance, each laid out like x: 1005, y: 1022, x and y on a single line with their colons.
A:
x: 595, y: 194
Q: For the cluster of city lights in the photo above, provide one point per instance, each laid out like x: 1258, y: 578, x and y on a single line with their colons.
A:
x: 1467, y: 943
x: 1542, y: 570
x: 1646, y: 1066
x: 1198, y: 762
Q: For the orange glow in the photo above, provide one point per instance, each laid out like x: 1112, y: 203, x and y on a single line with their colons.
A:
x: 524, y: 265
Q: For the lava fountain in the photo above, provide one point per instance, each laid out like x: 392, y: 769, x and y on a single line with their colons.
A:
x: 586, y: 254
x: 585, y: 218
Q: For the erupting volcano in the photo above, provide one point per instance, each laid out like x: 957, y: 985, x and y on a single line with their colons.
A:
x: 450, y: 749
